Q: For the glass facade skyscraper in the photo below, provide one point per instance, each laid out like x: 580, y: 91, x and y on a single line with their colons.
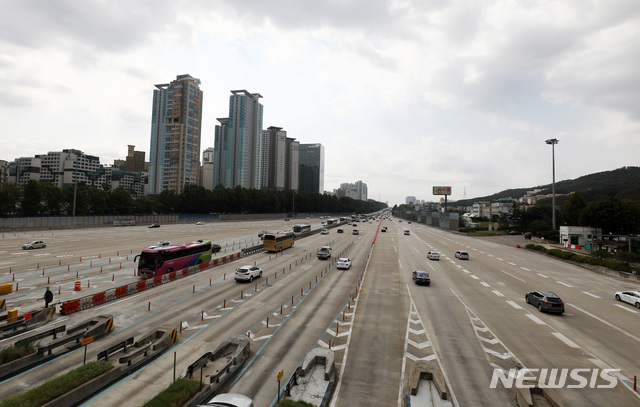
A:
x: 311, y: 168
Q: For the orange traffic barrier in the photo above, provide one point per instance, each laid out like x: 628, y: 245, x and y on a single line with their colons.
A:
x: 78, y: 287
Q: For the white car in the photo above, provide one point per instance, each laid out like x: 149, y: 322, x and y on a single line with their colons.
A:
x: 162, y: 243
x: 343, y: 263
x: 200, y: 223
x: 248, y: 273
x: 632, y: 297
x: 36, y: 244
x: 462, y: 255
x: 433, y: 256
x: 229, y: 400
x: 324, y: 232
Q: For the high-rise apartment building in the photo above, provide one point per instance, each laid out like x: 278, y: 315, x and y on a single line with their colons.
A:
x: 357, y: 190
x: 176, y: 125
x: 311, y: 168
x: 238, y: 142
x: 279, y: 160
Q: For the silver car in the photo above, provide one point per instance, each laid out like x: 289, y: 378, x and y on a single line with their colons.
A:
x: 229, y: 400
x: 462, y: 255
x: 248, y: 273
x: 36, y: 244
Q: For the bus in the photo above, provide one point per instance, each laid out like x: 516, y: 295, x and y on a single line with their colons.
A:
x: 156, y: 261
x: 276, y: 242
x: 332, y: 221
x: 301, y: 229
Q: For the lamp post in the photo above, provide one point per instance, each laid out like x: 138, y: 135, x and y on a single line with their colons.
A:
x: 553, y: 142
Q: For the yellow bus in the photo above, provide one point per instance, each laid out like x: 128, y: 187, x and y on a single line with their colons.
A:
x: 278, y: 241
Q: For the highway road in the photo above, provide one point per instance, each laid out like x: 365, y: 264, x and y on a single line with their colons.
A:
x: 471, y: 320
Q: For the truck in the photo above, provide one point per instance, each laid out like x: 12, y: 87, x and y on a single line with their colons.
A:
x: 324, y: 253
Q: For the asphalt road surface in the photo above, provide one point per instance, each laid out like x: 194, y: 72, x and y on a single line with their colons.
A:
x: 472, y: 319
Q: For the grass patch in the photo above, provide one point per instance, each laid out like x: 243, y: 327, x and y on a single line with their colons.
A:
x: 175, y: 395
x: 16, y: 351
x: 290, y: 403
x: 57, y: 387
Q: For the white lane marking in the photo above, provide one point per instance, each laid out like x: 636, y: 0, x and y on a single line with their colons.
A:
x: 416, y: 250
x: 536, y: 319
x: 475, y: 277
x: 525, y: 269
x: 615, y: 374
x: 498, y: 293
x: 485, y: 284
x: 610, y: 325
x: 564, y: 284
x: 592, y: 295
x: 514, y: 305
x: 517, y: 278
x: 542, y: 275
x: 466, y: 271
x: 499, y: 259
x: 513, y: 264
x: 399, y: 263
x: 625, y: 308
x: 566, y: 340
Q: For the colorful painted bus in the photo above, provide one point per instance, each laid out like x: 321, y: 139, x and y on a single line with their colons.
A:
x: 301, y: 229
x: 156, y: 261
x: 276, y: 242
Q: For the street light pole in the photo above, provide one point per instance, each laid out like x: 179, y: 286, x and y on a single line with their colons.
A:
x: 553, y: 142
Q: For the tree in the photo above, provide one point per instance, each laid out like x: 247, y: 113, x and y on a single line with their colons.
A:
x: 572, y: 208
x: 98, y: 201
x: 31, y: 204
x: 120, y: 201
x: 10, y: 195
x: 52, y: 199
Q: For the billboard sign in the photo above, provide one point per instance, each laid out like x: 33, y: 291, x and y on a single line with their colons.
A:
x: 442, y: 190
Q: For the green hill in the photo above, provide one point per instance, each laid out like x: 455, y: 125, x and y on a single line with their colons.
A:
x: 622, y: 183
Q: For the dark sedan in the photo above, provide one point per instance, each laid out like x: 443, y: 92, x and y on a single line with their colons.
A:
x: 545, y: 301
x: 421, y: 277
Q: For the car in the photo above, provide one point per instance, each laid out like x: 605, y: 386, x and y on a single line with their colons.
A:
x: 514, y: 232
x: 632, y: 297
x: 248, y: 273
x: 343, y: 263
x: 229, y: 400
x: 340, y: 231
x: 261, y: 234
x: 384, y: 229
x: 287, y: 219
x: 162, y: 243
x: 36, y: 244
x: 528, y: 235
x: 324, y: 231
x: 406, y: 232
x: 215, y: 248
x: 354, y: 224
x: 545, y: 301
x: 355, y: 232
x: 154, y: 225
x: 409, y: 222
x: 421, y: 277
x: 433, y: 255
x: 462, y: 255
x: 324, y: 223
x: 200, y: 223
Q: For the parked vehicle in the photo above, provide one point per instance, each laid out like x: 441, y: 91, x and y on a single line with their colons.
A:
x: 433, y: 255
x: 421, y: 277
x: 200, y: 223
x: 36, y: 244
x: 462, y: 255
x: 154, y: 225
x: 162, y: 243
x: 545, y: 301
x: 343, y: 263
x: 631, y: 297
x: 248, y: 273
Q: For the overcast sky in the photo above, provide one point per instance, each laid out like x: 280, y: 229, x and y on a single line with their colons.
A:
x: 403, y: 94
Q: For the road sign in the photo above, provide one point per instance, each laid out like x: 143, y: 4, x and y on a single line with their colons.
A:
x: 86, y: 341
x: 280, y: 375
